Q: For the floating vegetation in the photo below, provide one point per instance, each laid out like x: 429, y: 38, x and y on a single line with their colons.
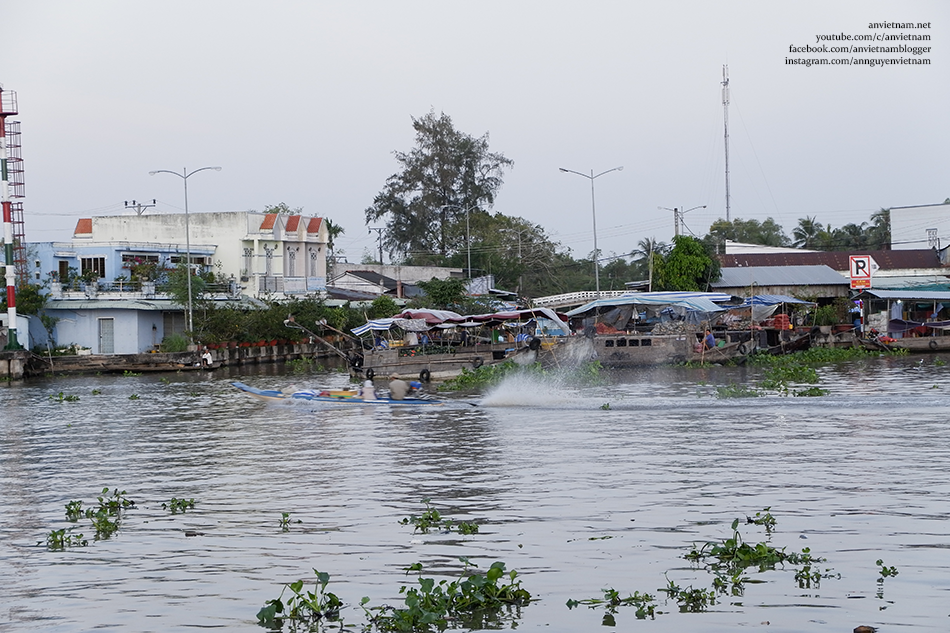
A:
x: 128, y: 373
x: 810, y: 392
x: 61, y: 397
x: 304, y: 365
x: 308, y: 607
x: 737, y: 391
x: 178, y: 505
x: 134, y: 396
x: 432, y: 519
x: 885, y: 571
x: 644, y: 603
x: 58, y: 540
x: 764, y: 518
x: 96, y: 392
x: 689, y: 600
x: 475, y: 602
x: 105, y: 519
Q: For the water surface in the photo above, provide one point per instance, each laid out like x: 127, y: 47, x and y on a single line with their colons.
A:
x: 653, y: 460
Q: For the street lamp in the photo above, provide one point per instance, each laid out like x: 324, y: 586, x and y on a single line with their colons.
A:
x: 468, y: 235
x: 185, y: 175
x: 678, y: 216
x: 593, y: 213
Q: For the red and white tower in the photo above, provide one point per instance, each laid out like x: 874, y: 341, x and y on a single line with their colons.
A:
x: 11, y: 166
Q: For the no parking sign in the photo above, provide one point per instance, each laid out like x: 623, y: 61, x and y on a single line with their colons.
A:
x: 861, y: 267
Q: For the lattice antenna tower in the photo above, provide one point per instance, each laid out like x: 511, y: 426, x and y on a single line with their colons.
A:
x: 725, y: 121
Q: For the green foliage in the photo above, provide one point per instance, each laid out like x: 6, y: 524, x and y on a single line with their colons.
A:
x: 131, y: 374
x: 178, y: 505
x: 74, y: 511
x: 174, y: 343
x: 446, y: 294
x: 58, y: 540
x: 475, y: 602
x: 690, y: 600
x: 612, y: 601
x: 60, y: 397
x: 105, y: 517
x: 304, y: 365
x: 885, y: 571
x: 432, y: 519
x: 383, y: 307
x: 736, y: 391
x: 689, y: 266
x: 826, y: 315
x: 764, y: 518
x: 306, y: 607
x: 30, y: 299
x: 446, y: 177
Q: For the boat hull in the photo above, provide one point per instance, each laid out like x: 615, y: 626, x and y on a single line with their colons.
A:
x: 432, y: 362
x: 340, y: 397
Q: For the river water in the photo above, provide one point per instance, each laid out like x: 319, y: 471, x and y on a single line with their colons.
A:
x: 577, y: 488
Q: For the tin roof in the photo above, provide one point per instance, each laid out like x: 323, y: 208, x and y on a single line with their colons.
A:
x: 780, y: 276
x: 837, y: 260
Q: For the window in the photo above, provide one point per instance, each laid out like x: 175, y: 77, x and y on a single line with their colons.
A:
x: 93, y: 264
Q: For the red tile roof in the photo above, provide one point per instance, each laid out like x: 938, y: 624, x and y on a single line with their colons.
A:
x: 268, y: 223
x: 292, y: 223
x: 83, y: 227
x: 314, y: 225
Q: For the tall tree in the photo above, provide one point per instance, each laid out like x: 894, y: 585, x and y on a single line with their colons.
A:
x: 690, y: 265
x: 769, y: 232
x: 447, y: 175
x: 879, y: 233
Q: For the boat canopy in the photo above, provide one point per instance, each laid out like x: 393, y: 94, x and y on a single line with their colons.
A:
x: 691, y: 301
x: 423, y: 320
x: 771, y: 300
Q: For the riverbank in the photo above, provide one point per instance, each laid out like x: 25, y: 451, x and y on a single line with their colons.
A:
x: 30, y: 364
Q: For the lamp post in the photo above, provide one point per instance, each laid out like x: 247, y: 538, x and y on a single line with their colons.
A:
x: 185, y: 175
x: 678, y: 216
x: 593, y: 213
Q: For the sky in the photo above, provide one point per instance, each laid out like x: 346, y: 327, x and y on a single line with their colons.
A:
x: 304, y: 102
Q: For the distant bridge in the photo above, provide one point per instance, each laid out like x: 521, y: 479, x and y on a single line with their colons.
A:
x: 574, y: 298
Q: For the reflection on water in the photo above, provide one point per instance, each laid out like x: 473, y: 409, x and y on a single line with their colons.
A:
x: 548, y: 469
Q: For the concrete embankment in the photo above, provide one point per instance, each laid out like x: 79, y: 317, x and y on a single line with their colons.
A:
x: 33, y: 365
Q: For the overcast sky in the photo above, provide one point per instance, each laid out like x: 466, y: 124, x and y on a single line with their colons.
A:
x: 305, y: 102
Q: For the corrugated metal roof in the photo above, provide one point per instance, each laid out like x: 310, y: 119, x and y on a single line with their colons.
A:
x: 837, y: 260
x: 780, y: 276
x: 908, y: 295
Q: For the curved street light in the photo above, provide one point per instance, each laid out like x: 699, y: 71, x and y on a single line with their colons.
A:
x: 678, y: 216
x: 593, y: 213
x: 185, y: 175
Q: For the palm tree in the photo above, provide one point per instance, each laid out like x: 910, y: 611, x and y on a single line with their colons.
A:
x: 806, y: 233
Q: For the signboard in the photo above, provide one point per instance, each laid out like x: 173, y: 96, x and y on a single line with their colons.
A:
x: 860, y: 268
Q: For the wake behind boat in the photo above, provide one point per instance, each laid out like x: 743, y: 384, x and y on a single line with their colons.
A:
x: 337, y: 396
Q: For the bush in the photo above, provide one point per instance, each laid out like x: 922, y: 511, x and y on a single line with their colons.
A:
x: 175, y: 343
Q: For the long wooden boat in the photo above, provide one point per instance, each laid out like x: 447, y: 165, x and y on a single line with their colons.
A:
x: 336, y: 396
x: 627, y: 350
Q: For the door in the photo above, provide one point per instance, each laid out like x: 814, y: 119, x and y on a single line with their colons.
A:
x: 107, y: 336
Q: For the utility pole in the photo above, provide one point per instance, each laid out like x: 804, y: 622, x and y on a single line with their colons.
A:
x: 139, y: 207
x: 379, y: 239
x: 725, y: 119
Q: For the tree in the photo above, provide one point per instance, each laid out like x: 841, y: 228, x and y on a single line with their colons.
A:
x: 447, y: 294
x: 283, y: 209
x: 807, y: 233
x: 689, y: 266
x: 768, y: 233
x: 879, y: 233
x: 447, y: 175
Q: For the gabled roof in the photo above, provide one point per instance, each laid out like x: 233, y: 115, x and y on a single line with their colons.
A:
x: 314, y: 225
x: 269, y: 220
x: 83, y: 227
x: 837, y: 260
x: 293, y: 222
x: 375, y: 278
